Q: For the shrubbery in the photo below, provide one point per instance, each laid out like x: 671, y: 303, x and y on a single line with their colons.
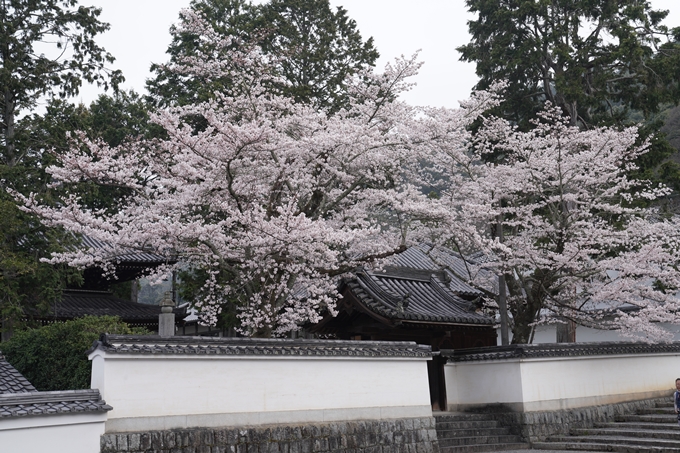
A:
x: 53, y: 357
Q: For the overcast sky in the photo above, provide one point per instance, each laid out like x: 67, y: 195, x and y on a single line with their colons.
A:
x: 139, y: 36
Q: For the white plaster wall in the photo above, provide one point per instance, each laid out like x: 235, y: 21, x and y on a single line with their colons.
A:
x: 63, y: 433
x: 547, y: 334
x: 561, y: 383
x: 228, y: 390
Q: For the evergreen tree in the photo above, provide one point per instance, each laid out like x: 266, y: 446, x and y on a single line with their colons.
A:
x: 311, y: 47
x: 596, y: 60
x: 27, y: 73
x: 47, y: 47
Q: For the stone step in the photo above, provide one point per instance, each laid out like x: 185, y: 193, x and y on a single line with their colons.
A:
x: 451, y: 433
x: 668, y: 403
x: 657, y: 410
x: 631, y: 426
x: 478, y: 440
x: 479, y: 424
x: 627, y: 432
x: 460, y: 416
x: 616, y: 440
x: 598, y: 447
x: 648, y: 418
x: 485, y: 447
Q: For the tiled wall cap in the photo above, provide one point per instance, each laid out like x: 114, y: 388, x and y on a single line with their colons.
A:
x: 153, y: 344
x: 51, y: 403
x: 557, y: 350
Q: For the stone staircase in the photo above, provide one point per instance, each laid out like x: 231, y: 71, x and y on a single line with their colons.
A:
x: 653, y: 430
x: 467, y: 433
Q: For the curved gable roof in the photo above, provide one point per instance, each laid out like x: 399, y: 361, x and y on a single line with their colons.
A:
x: 403, y: 293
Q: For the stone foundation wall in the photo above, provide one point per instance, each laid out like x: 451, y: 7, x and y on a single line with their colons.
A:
x: 414, y: 435
x: 537, y: 426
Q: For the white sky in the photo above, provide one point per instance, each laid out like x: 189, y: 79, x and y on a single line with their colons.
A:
x: 139, y: 36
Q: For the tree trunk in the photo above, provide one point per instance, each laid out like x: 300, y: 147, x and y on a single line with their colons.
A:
x: 566, y: 332
x: 521, y: 332
x: 8, y: 117
x: 7, y: 329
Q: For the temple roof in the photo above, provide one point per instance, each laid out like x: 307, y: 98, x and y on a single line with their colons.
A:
x: 127, y: 255
x: 403, y: 293
x: 11, y: 381
x: 77, y: 303
x: 459, y: 270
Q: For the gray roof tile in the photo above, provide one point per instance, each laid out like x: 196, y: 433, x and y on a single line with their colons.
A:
x: 404, y: 293
x: 76, y: 303
x: 11, y: 381
x: 557, y: 350
x: 126, y: 254
x: 153, y: 344
x: 458, y: 270
x: 49, y: 403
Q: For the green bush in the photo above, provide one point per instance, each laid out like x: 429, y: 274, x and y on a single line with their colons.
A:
x: 53, y: 357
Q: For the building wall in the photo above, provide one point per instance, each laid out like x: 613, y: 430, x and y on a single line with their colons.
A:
x: 547, y: 334
x: 63, y: 433
x: 559, y: 383
x: 341, y: 381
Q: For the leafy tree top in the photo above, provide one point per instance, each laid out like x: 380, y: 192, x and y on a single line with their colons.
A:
x: 595, y: 60
x: 312, y: 48
x: 46, y: 46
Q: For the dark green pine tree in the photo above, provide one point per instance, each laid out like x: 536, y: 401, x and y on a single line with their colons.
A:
x: 315, y: 47
x: 603, y: 62
x: 47, y: 47
x: 597, y: 60
x: 320, y: 49
x: 228, y: 18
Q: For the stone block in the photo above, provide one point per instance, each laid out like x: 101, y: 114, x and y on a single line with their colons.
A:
x: 373, y: 437
x: 107, y: 443
x: 320, y: 444
x: 121, y: 442
x: 207, y: 437
x: 306, y: 446
x: 386, y: 438
x: 226, y: 436
x: 156, y: 440
x: 271, y: 447
x: 169, y: 440
x: 182, y: 438
x: 334, y: 443
x: 134, y: 442
x: 324, y: 431
x: 145, y: 441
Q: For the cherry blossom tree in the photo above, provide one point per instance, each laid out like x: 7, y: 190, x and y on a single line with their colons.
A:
x: 574, y: 243
x: 268, y: 198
